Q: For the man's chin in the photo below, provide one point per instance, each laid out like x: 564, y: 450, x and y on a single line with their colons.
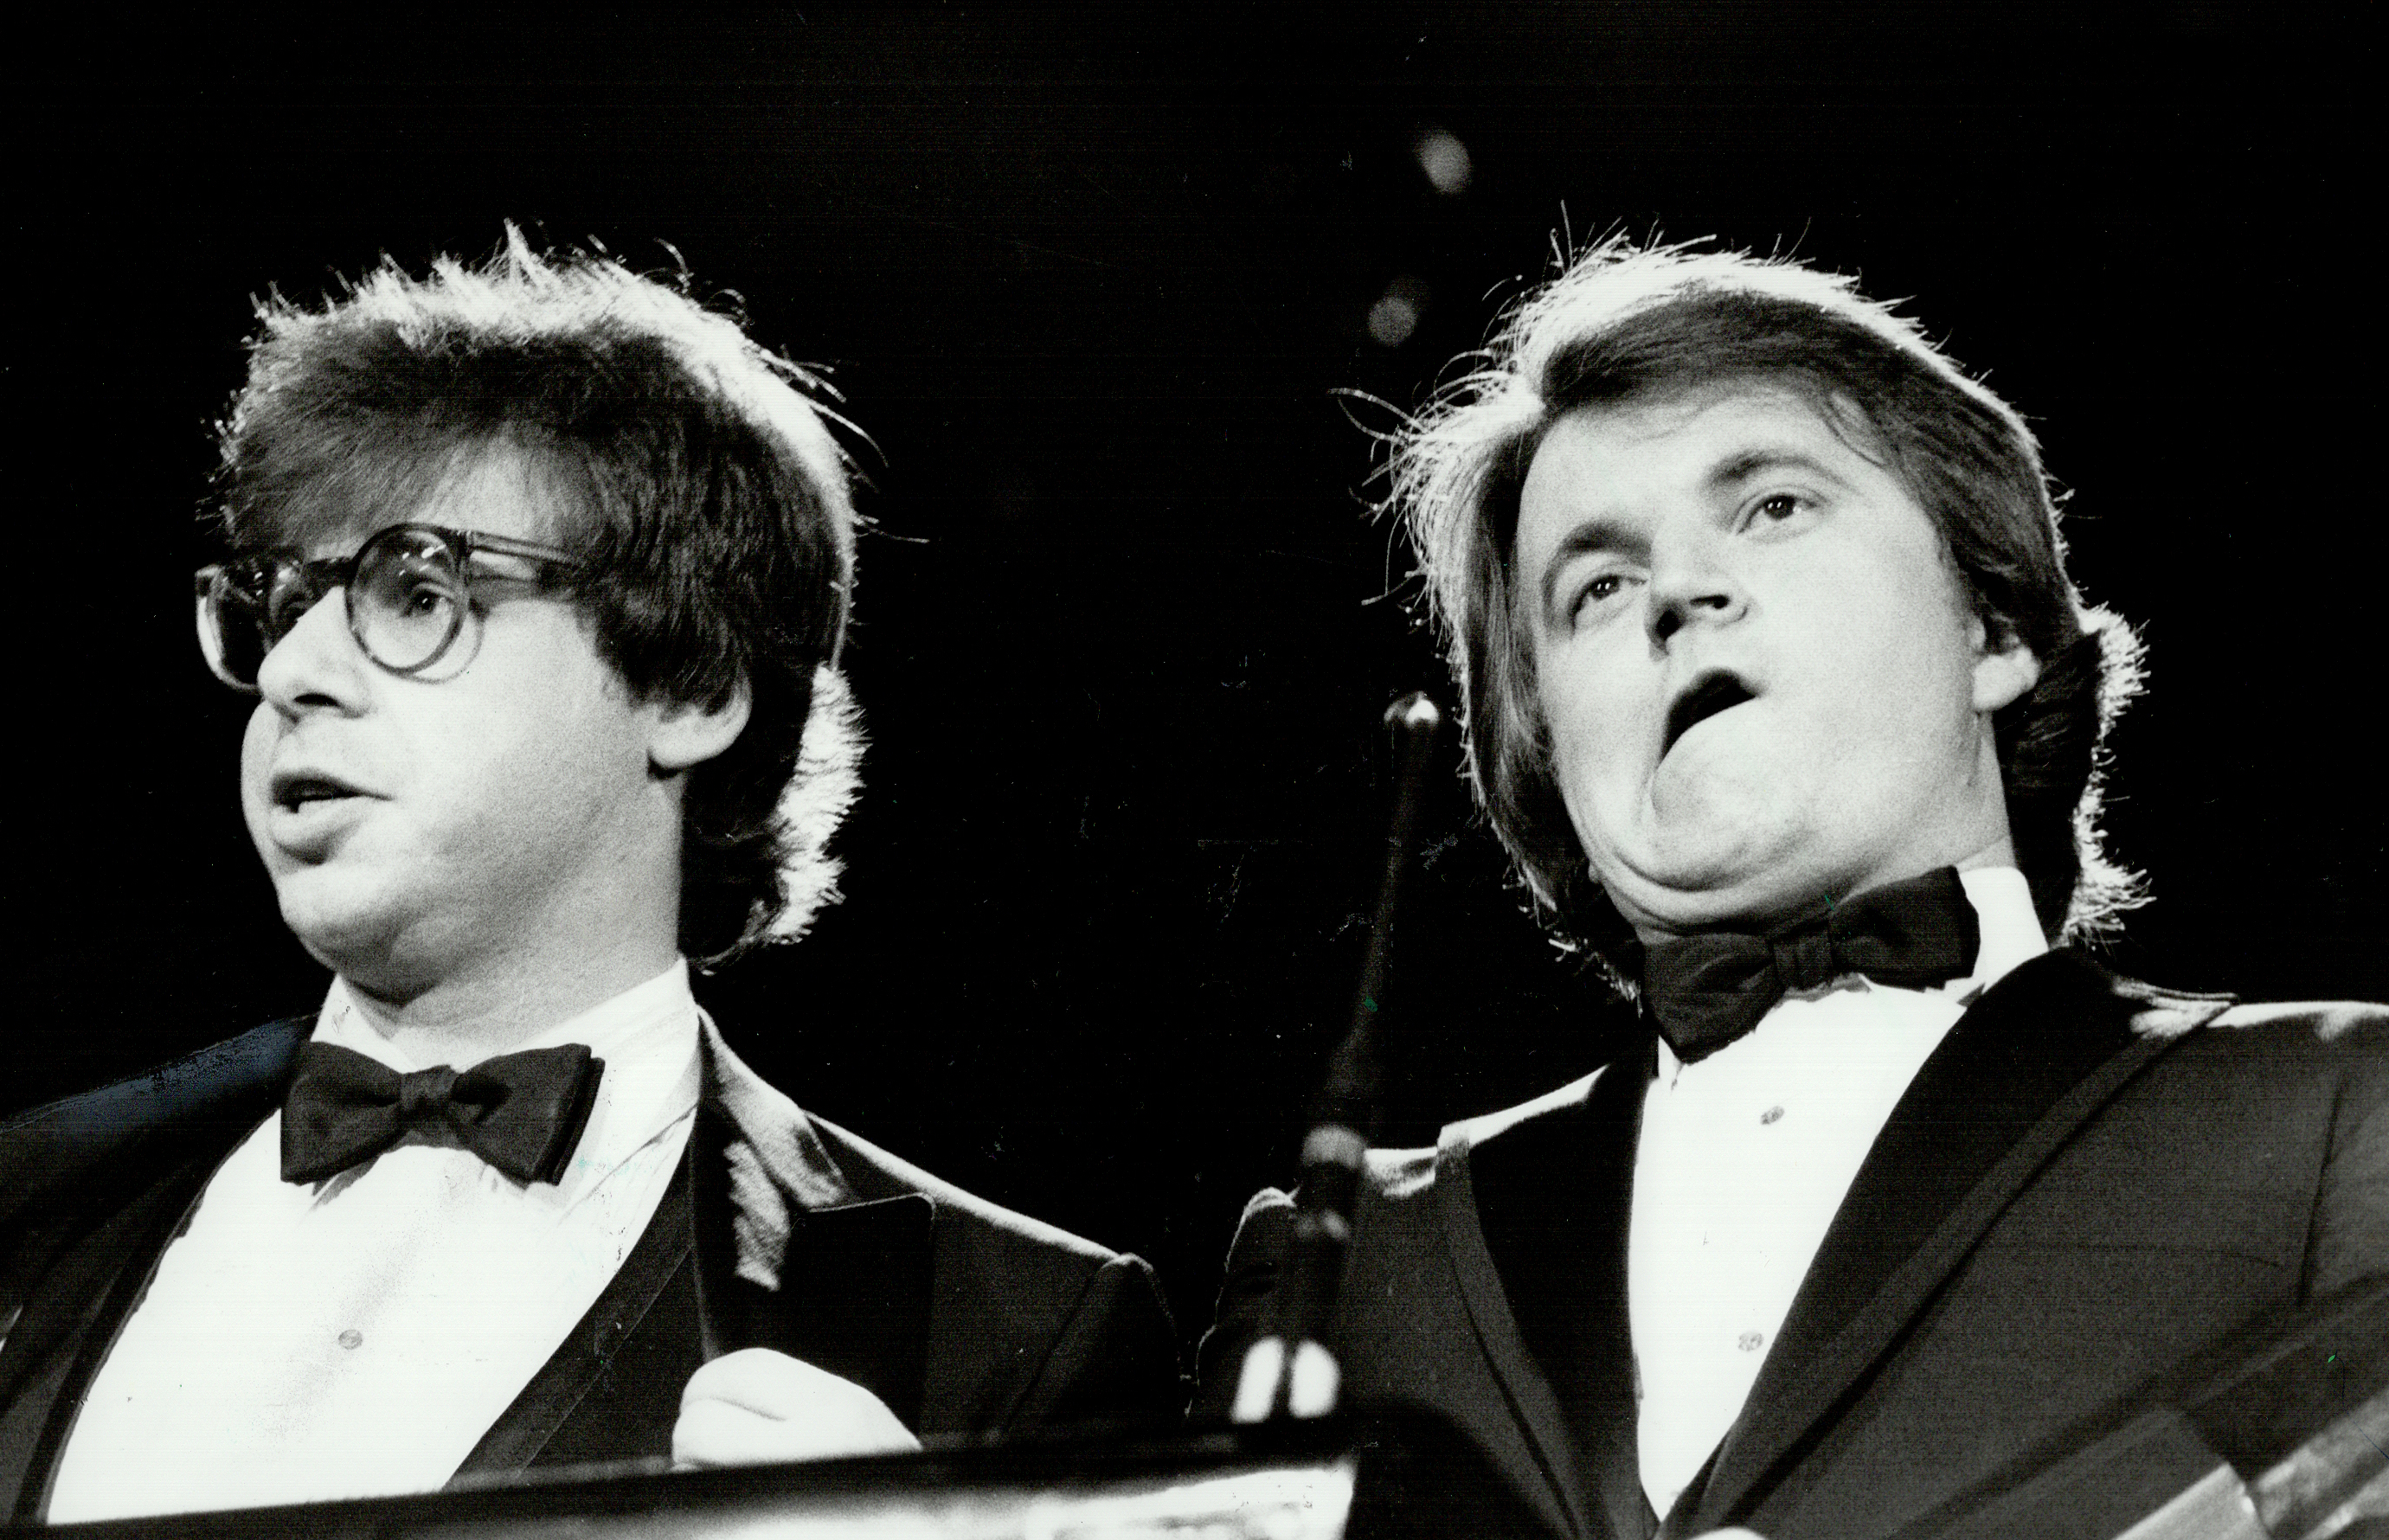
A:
x: 1734, y: 855
x: 1687, y: 896
x: 350, y: 934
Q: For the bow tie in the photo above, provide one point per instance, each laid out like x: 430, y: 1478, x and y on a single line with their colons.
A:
x: 1704, y: 991
x: 522, y: 1113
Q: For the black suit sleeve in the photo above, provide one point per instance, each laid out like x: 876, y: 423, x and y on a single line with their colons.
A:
x: 1256, y: 1259
x: 2350, y: 1239
x: 1115, y: 1359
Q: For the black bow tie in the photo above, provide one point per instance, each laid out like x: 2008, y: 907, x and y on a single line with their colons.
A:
x: 1704, y: 991
x: 522, y: 1113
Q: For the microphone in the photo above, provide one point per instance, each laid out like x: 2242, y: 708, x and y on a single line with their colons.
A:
x: 1302, y: 1379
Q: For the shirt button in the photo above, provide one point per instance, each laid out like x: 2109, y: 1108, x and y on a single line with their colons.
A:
x: 352, y: 1338
x: 1749, y: 1341
x: 1771, y: 1114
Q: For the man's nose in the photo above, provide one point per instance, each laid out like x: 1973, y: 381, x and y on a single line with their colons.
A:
x: 1691, y: 583
x: 316, y: 664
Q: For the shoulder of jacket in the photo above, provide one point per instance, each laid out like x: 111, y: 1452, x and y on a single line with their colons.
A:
x: 1391, y: 1173
x: 954, y: 1204
x: 48, y: 1149
x: 2166, y: 1014
x: 2353, y: 1022
x: 1399, y: 1174
x: 1476, y: 1130
x: 2154, y: 1011
x: 250, y: 1063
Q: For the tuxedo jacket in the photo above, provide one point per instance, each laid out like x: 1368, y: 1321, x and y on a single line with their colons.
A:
x: 779, y: 1230
x: 2089, y: 1181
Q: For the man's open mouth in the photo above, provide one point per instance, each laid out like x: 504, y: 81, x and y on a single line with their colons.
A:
x: 293, y: 792
x: 1709, y: 695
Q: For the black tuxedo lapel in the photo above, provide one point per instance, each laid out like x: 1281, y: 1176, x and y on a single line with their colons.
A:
x: 2015, y: 1078
x: 71, y: 1324
x: 92, y: 1190
x: 1552, y: 1196
x: 612, y: 1391
x: 848, y: 1290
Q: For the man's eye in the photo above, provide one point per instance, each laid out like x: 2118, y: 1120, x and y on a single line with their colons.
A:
x: 1778, y: 507
x: 285, y: 605
x: 1596, y: 594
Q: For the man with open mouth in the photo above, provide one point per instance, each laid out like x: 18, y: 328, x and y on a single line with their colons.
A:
x: 1781, y: 700
x: 538, y: 572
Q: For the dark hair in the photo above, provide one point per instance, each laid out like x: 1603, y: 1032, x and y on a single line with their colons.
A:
x: 699, y: 484
x: 1622, y: 322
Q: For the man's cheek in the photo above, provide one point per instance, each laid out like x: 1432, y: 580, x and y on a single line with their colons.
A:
x: 256, y: 757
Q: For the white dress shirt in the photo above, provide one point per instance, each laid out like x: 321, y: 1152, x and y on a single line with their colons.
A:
x: 1744, y: 1159
x: 359, y: 1335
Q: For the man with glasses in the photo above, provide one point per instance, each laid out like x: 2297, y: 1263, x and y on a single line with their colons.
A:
x: 539, y: 577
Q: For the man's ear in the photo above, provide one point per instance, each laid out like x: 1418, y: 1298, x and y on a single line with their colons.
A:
x: 686, y: 734
x: 2004, y: 667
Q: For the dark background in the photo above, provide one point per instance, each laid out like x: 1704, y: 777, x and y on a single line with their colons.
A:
x: 1092, y: 285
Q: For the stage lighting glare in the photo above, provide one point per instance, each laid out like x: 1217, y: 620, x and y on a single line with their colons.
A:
x: 1445, y: 161
x: 1393, y: 318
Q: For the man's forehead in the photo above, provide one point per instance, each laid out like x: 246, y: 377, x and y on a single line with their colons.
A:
x: 1588, y: 485
x: 499, y: 492
x: 495, y: 489
x: 1715, y: 433
x: 1796, y: 404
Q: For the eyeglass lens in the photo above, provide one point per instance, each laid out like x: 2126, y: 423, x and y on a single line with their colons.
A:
x: 405, y: 603
x: 230, y: 630
x: 407, y: 600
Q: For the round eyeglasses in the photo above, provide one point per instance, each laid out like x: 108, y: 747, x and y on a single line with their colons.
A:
x: 409, y: 591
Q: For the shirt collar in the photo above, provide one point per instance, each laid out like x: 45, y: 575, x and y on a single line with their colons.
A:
x: 2011, y: 928
x: 647, y: 1037
x: 2010, y: 937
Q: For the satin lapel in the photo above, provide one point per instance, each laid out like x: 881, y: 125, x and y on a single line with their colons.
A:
x: 846, y: 1289
x: 92, y: 1190
x: 1534, y: 1221
x: 612, y: 1389
x: 71, y: 1325
x: 2015, y: 1078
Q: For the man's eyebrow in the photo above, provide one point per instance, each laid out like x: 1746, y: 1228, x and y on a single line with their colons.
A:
x: 1589, y: 536
x: 1752, y: 464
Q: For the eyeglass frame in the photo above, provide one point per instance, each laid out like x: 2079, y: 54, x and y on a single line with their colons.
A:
x: 325, y: 574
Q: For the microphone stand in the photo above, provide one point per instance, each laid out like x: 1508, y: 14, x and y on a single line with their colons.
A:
x: 1292, y: 1371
